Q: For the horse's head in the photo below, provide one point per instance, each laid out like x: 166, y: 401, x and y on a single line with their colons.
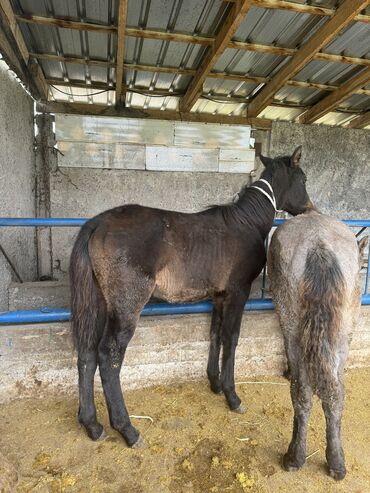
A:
x: 288, y: 181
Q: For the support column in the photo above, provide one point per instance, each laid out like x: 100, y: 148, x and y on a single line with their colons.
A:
x: 46, y: 162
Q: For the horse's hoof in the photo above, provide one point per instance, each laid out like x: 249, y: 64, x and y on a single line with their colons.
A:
x: 289, y: 465
x: 95, y: 432
x: 139, y: 443
x: 338, y: 474
x: 216, y: 388
x: 102, y: 436
x: 241, y: 409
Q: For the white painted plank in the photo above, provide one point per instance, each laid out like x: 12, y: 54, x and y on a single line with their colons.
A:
x: 161, y: 158
x: 235, y: 166
x: 93, y: 155
x: 237, y: 155
x: 211, y: 135
x: 103, y: 129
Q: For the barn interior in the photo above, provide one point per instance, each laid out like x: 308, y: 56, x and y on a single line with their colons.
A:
x: 167, y: 104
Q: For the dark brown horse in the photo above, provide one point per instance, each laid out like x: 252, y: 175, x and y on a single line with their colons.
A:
x: 126, y: 255
x: 313, y: 267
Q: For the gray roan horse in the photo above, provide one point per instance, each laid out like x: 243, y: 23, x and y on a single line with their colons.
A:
x: 313, y: 265
x: 126, y: 255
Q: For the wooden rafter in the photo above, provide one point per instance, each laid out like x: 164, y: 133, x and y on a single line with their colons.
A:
x: 284, y: 5
x: 227, y: 31
x: 190, y: 39
x: 97, y: 109
x: 157, y: 92
x: 335, y: 98
x: 302, y: 8
x: 66, y: 23
x: 344, y: 14
x: 360, y: 121
x: 187, y: 71
x: 122, y: 16
x: 12, y: 34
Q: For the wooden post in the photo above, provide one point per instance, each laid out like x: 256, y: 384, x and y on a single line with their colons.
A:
x: 46, y: 162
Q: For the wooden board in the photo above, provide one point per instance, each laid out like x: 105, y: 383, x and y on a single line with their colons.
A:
x: 93, y: 155
x: 161, y: 158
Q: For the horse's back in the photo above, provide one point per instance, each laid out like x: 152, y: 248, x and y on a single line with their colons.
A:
x: 295, y: 239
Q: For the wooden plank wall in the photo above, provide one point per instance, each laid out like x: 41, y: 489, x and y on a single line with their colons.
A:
x: 154, y: 145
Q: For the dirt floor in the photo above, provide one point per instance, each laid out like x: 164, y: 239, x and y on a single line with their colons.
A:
x: 194, y: 444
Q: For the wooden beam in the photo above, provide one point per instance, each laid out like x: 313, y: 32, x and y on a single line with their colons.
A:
x: 122, y: 16
x: 35, y: 77
x: 72, y: 59
x: 274, y: 50
x: 101, y: 86
x: 335, y: 98
x: 10, y: 56
x: 266, y: 4
x: 187, y: 71
x: 190, y: 39
x: 344, y: 15
x: 227, y: 31
x: 66, y: 23
x: 169, y: 36
x: 221, y: 98
x: 360, y: 121
x: 96, y: 109
x: 281, y: 51
x: 302, y: 8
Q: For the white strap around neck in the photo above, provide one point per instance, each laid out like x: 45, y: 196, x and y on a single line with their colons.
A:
x: 271, y: 197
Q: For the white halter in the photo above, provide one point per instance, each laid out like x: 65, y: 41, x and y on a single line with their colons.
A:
x: 271, y: 198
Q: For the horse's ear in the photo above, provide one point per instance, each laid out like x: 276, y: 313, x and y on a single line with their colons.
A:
x: 265, y: 160
x: 296, y: 156
x: 362, y: 245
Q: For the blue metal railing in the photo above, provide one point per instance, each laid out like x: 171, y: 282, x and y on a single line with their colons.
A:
x: 62, y: 314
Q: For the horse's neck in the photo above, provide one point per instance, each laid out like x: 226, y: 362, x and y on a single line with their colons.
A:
x: 255, y: 210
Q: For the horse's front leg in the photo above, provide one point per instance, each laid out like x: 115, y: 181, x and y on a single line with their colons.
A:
x: 213, y: 367
x: 232, y: 316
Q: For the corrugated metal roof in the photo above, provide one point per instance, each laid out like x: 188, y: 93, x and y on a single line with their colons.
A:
x: 281, y: 28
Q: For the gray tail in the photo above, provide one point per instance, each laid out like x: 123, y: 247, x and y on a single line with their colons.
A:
x: 88, y: 306
x: 322, y: 298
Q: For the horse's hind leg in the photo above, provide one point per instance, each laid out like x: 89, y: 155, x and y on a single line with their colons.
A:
x: 332, y: 403
x: 301, y: 394
x: 213, y: 367
x: 112, y: 350
x: 87, y: 363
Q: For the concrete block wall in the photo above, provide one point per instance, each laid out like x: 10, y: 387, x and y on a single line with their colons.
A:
x: 336, y: 161
x: 37, y: 360
x: 17, y: 179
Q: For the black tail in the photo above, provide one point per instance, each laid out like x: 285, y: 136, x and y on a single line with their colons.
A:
x: 87, y: 303
x: 322, y: 298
